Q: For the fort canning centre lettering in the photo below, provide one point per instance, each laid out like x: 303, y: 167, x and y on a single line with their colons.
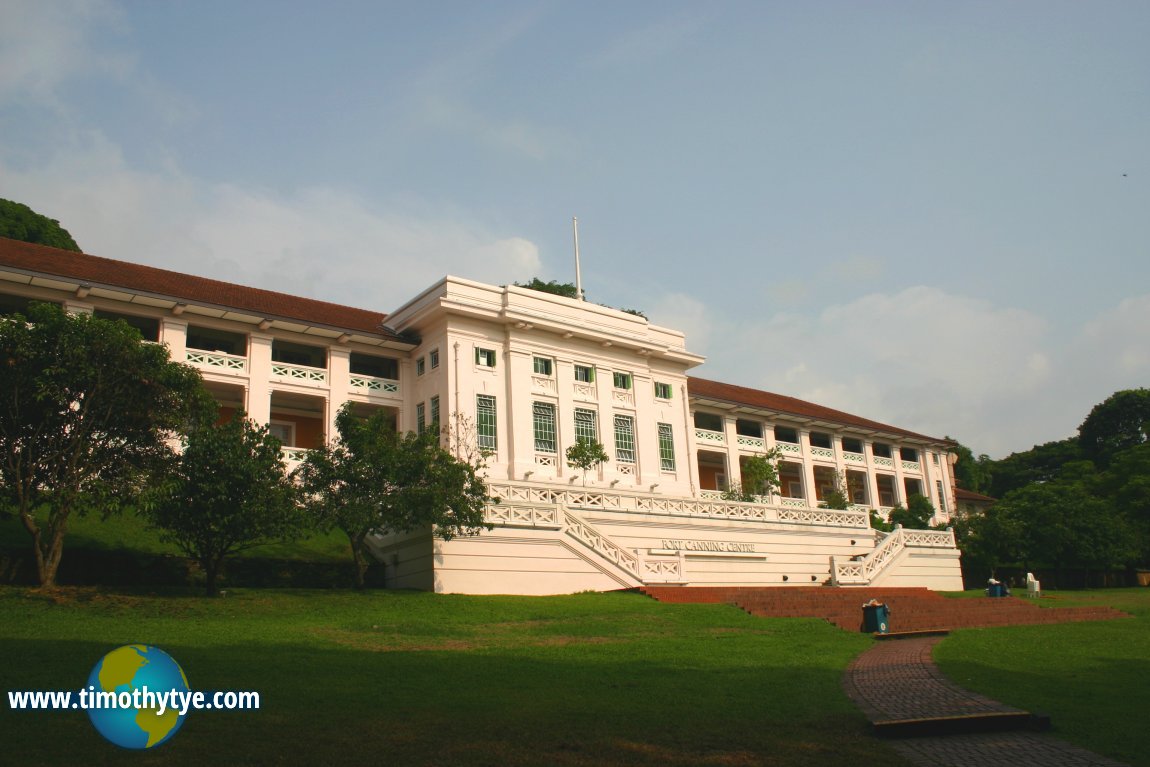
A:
x: 708, y: 546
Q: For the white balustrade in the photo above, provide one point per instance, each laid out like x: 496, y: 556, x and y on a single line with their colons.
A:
x: 881, y: 461
x: 374, y: 385
x: 745, y: 441
x: 788, y: 447
x: 714, y: 437
x: 914, y: 466
x: 855, y: 457
x: 229, y: 362
x: 299, y: 372
x: 823, y: 452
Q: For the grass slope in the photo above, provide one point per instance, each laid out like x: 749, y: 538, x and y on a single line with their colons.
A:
x: 422, y: 679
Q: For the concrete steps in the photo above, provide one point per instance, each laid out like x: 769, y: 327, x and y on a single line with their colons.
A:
x: 911, y: 609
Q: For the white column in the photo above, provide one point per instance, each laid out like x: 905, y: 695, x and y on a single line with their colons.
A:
x: 339, y: 384
x: 259, y: 393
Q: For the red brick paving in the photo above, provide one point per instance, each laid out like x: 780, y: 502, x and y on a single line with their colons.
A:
x: 898, y: 680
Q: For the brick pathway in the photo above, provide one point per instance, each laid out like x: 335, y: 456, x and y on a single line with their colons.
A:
x: 896, y: 680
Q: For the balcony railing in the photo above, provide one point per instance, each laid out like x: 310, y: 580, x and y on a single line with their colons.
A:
x: 293, y: 453
x: 714, y: 437
x: 887, y: 462
x: 745, y: 441
x: 789, y: 447
x: 299, y: 372
x: 823, y: 452
x: 228, y: 362
x: 914, y: 466
x: 856, y: 457
x: 373, y: 385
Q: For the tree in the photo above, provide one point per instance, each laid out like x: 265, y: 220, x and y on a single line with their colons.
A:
x: 837, y: 498
x: 375, y: 481
x: 565, y: 289
x: 972, y: 473
x: 585, y: 455
x: 1120, y: 422
x: 20, y: 222
x: 229, y: 492
x: 1041, y: 463
x: 916, y: 515
x: 760, y: 476
x: 86, y: 413
x: 1058, y: 525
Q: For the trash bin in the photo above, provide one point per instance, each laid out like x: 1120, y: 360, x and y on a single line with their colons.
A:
x: 876, y: 618
x: 995, y: 589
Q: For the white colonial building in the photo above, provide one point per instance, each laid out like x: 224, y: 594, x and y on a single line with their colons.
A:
x: 527, y: 374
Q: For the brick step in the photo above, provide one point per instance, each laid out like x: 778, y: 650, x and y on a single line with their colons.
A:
x: 912, y: 609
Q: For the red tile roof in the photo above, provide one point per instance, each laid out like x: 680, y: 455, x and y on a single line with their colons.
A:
x: 962, y: 494
x: 779, y: 403
x: 106, y: 272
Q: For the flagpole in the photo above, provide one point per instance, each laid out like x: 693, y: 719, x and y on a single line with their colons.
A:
x: 578, y: 273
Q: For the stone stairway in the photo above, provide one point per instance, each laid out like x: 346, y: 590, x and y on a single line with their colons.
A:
x: 911, y: 609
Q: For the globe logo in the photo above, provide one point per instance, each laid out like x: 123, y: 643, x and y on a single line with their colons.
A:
x: 123, y: 671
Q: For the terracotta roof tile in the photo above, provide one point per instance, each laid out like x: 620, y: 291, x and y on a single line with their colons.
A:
x: 963, y: 494
x: 741, y: 395
x: 107, y: 272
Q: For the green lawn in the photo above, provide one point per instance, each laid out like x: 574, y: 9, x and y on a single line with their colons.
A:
x: 1092, y: 678
x: 405, y: 678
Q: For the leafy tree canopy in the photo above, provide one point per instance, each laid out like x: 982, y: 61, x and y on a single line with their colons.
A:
x: 20, y: 222
x: 565, y: 289
x: 586, y: 455
x: 972, y: 473
x: 86, y: 412
x: 915, y: 515
x: 1041, y: 463
x: 229, y: 491
x: 1120, y: 422
x: 374, y: 481
x: 760, y: 476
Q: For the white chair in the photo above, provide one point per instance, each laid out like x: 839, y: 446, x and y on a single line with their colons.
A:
x: 1033, y: 586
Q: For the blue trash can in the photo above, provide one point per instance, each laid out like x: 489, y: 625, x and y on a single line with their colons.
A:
x: 996, y: 590
x: 876, y: 619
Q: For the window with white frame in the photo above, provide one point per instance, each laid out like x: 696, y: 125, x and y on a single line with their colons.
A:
x: 586, y: 425
x: 435, y: 412
x: 485, y: 423
x: 666, y: 447
x: 585, y: 374
x: 624, y: 439
x: 543, y: 366
x: 420, y: 366
x: 662, y: 390
x: 420, y: 418
x: 544, y: 421
x: 622, y: 380
x: 433, y: 356
x: 941, y: 495
x: 484, y: 357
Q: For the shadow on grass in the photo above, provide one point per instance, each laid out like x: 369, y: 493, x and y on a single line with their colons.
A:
x: 575, y: 704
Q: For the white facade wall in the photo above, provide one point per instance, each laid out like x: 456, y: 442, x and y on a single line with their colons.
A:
x: 452, y: 320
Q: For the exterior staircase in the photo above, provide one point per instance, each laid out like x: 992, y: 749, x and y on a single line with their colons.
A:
x: 911, y: 609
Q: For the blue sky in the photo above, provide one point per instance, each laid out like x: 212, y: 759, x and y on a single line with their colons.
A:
x: 933, y: 214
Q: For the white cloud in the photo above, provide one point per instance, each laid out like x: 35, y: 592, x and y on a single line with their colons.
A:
x: 43, y: 44
x: 318, y: 242
x: 647, y: 43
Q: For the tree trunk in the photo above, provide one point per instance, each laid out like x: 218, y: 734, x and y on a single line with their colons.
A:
x: 48, y: 544
x: 211, y: 577
x: 359, y: 561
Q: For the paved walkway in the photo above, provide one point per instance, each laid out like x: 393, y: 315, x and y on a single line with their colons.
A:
x: 896, y: 680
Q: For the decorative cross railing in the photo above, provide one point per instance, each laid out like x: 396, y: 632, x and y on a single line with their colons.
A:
x: 911, y: 466
x: 863, y: 571
x: 745, y: 441
x: 706, y: 435
x: 881, y: 461
x: 216, y: 360
x: 856, y: 457
x: 375, y: 385
x: 601, y: 544
x: 788, y: 447
x: 299, y: 372
x: 823, y: 452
